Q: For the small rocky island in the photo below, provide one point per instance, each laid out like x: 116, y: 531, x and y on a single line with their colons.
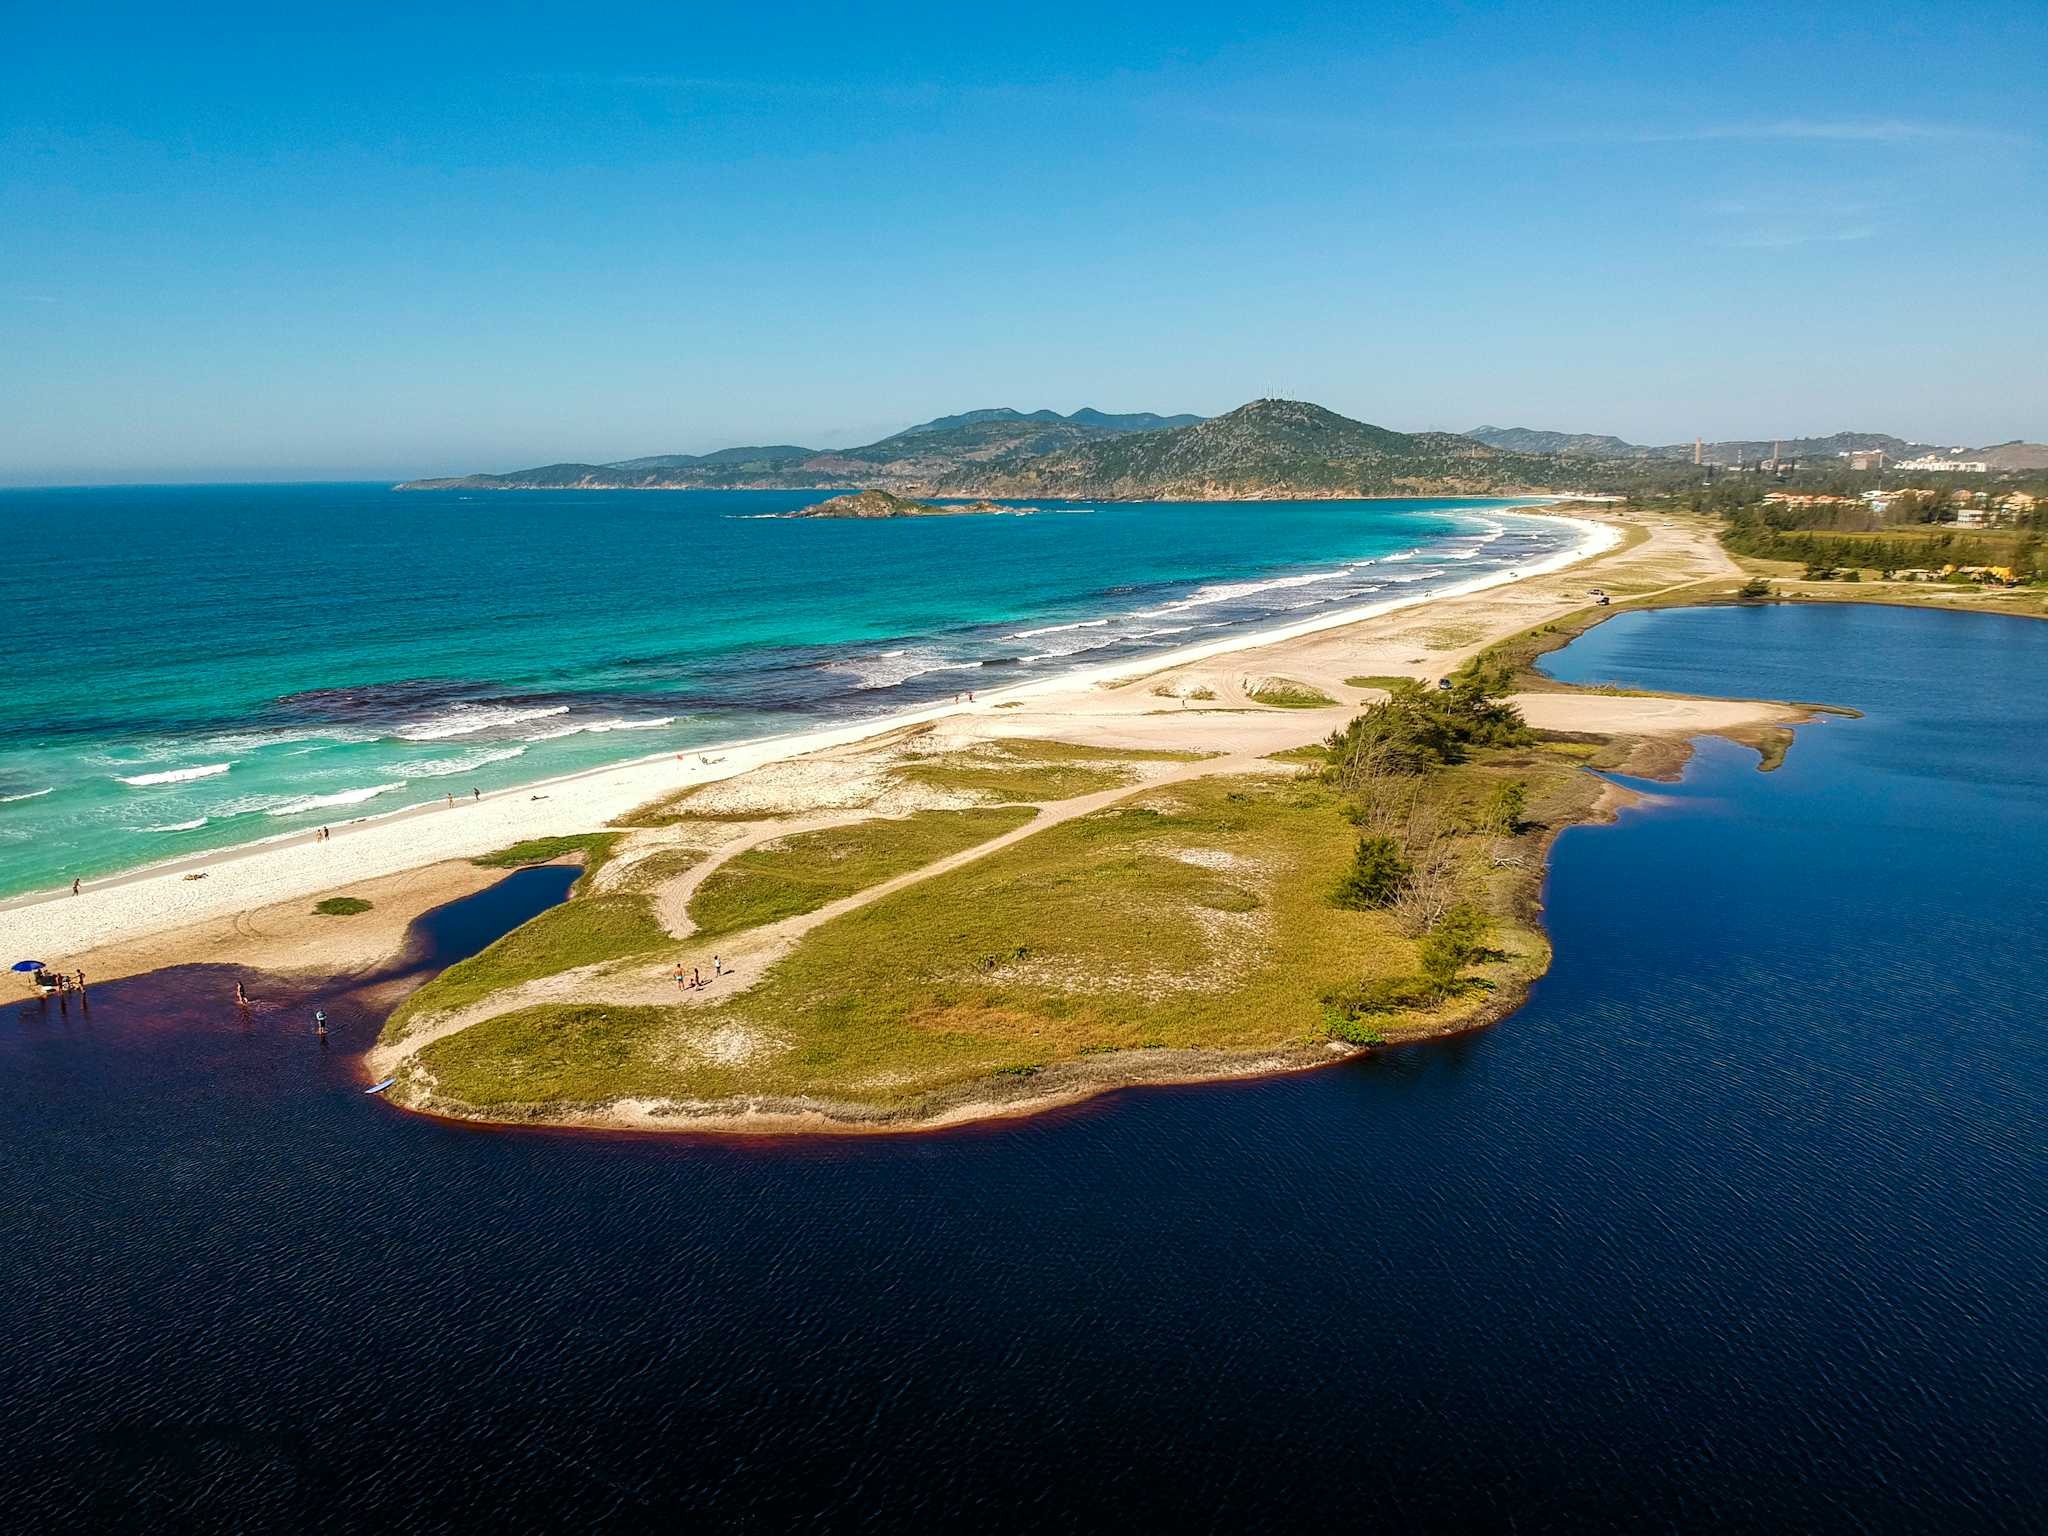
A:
x: 874, y: 504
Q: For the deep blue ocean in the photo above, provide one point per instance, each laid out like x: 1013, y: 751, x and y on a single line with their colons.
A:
x: 198, y: 666
x: 1740, y: 1224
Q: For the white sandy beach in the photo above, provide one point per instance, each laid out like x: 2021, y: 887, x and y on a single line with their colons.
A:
x: 1104, y: 702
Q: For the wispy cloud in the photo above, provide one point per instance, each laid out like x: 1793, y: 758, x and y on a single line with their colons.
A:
x: 1782, y: 238
x: 1777, y: 223
x: 1828, y: 131
x: 1525, y: 134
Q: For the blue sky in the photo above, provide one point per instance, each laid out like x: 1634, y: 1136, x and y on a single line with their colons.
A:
x: 239, y: 243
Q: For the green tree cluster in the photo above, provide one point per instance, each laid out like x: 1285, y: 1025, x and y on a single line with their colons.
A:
x: 1377, y: 873
x: 1462, y: 937
x: 1416, y: 729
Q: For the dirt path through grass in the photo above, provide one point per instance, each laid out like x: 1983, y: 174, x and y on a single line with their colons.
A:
x: 747, y: 955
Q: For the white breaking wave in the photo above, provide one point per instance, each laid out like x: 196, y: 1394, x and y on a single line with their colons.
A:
x: 468, y: 719
x: 177, y: 775
x: 1054, y: 629
x: 34, y: 794
x: 1075, y: 650
x: 891, y: 668
x: 320, y: 735
x: 320, y: 802
x: 1231, y: 591
x: 600, y: 728
x: 178, y: 826
x: 441, y: 767
x: 1406, y: 554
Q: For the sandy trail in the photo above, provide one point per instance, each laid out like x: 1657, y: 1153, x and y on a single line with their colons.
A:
x: 748, y: 955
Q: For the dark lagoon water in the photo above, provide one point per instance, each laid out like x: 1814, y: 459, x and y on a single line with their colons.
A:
x: 1739, y: 1224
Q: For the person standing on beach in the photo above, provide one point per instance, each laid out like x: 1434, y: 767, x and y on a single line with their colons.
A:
x: 475, y: 793
x: 81, y: 983
x: 451, y: 799
x: 320, y: 1022
x: 717, y: 967
x: 241, y: 997
x: 74, y: 887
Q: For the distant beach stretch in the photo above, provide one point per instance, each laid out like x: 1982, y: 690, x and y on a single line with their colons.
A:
x: 374, y: 845
x: 501, y: 660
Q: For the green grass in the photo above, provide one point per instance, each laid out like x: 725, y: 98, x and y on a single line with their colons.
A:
x: 1309, y: 752
x: 1032, y: 772
x: 341, y: 906
x: 581, y: 931
x: 676, y: 809
x: 1285, y: 693
x: 1189, y: 916
x: 1377, y: 680
x: 799, y: 874
x: 660, y: 867
x: 596, y: 848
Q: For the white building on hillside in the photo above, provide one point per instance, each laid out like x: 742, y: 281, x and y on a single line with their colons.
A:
x: 1943, y: 466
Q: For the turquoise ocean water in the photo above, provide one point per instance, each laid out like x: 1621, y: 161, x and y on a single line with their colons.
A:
x: 192, y: 667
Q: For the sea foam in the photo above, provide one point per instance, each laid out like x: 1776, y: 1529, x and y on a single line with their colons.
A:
x: 176, y: 775
x: 321, y: 802
x: 468, y: 719
x: 442, y: 767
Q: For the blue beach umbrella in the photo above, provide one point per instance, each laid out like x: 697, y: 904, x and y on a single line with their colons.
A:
x: 28, y: 965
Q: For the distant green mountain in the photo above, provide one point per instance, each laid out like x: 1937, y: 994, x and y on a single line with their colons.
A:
x: 1269, y: 448
x: 779, y: 454
x: 1530, y: 440
x: 1134, y: 421
x: 913, y: 460
x: 1087, y: 416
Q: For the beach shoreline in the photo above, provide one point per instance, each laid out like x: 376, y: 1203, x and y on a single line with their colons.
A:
x: 414, y: 860
x: 138, y: 903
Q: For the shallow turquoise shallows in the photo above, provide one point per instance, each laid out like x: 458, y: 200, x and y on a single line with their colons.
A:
x: 197, y: 666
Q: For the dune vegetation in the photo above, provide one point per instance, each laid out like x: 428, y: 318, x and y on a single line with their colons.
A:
x: 809, y: 870
x: 1212, y: 914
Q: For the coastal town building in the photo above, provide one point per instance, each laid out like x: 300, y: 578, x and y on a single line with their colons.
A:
x: 1936, y: 464
x: 1802, y: 499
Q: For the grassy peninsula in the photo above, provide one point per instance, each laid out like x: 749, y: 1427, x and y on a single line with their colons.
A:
x: 1380, y: 884
x: 1257, y: 861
